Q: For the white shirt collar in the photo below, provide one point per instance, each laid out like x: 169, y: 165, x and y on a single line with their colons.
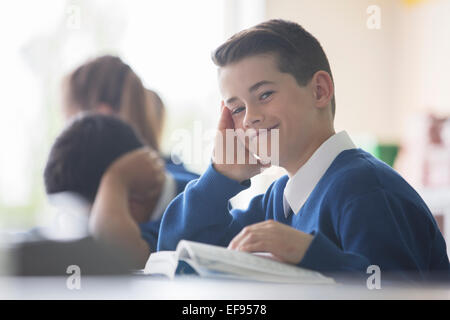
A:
x: 303, y: 182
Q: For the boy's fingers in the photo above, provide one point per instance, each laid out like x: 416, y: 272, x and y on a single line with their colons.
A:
x: 220, y: 148
x: 234, y: 243
x: 225, y: 121
x: 250, y: 239
x: 238, y: 239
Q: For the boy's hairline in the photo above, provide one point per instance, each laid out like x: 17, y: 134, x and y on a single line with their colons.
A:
x: 275, y: 55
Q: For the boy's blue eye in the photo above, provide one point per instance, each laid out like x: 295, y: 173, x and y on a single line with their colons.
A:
x: 266, y: 95
x: 237, y: 110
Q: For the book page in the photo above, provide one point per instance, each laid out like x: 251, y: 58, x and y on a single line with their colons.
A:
x: 162, y: 262
x: 248, y: 265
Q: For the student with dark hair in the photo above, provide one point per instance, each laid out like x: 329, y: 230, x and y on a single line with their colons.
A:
x: 82, y: 153
x: 107, y: 85
x: 339, y: 209
x: 86, y: 159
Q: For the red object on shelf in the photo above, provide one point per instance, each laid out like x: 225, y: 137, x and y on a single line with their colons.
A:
x: 436, y: 165
x: 439, y: 217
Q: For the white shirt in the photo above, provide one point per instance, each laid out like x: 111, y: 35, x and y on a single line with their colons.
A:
x: 303, y: 182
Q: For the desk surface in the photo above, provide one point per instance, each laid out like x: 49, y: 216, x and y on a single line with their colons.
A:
x: 140, y: 287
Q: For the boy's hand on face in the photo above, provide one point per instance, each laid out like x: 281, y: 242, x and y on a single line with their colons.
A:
x: 285, y: 243
x: 235, y: 168
x: 141, y: 172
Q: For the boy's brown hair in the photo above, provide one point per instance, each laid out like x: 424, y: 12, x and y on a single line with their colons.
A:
x: 297, y: 51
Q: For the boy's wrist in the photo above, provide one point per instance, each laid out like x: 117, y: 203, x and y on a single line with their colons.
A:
x: 231, y: 174
x: 210, y: 178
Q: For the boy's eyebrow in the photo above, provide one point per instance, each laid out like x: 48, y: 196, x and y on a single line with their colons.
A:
x: 253, y: 88
x: 259, y: 84
x: 231, y: 100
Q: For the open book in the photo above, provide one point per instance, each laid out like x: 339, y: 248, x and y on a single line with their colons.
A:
x: 214, y: 261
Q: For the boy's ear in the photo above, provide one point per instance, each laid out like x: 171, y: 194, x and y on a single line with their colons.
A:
x: 323, y: 88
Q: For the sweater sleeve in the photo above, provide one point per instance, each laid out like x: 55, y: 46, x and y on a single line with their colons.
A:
x: 201, y: 212
x: 373, y: 229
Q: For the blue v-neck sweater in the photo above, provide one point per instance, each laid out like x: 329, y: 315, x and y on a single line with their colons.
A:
x: 361, y: 213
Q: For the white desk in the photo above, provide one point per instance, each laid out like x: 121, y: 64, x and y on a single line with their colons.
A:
x: 196, y: 288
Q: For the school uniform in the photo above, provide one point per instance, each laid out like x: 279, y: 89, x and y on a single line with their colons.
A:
x: 177, y: 178
x: 358, y: 209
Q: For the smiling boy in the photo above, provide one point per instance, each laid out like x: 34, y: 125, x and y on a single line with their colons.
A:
x: 339, y: 209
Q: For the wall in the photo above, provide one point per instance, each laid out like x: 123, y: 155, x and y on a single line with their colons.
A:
x: 382, y: 76
x: 360, y: 58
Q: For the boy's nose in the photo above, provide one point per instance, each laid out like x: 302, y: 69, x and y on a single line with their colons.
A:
x: 252, y: 117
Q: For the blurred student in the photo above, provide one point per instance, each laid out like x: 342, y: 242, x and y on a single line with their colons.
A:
x: 86, y: 159
x: 107, y: 85
x: 339, y: 209
x: 158, y: 111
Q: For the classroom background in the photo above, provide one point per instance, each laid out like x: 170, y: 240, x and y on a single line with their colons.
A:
x: 389, y: 60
